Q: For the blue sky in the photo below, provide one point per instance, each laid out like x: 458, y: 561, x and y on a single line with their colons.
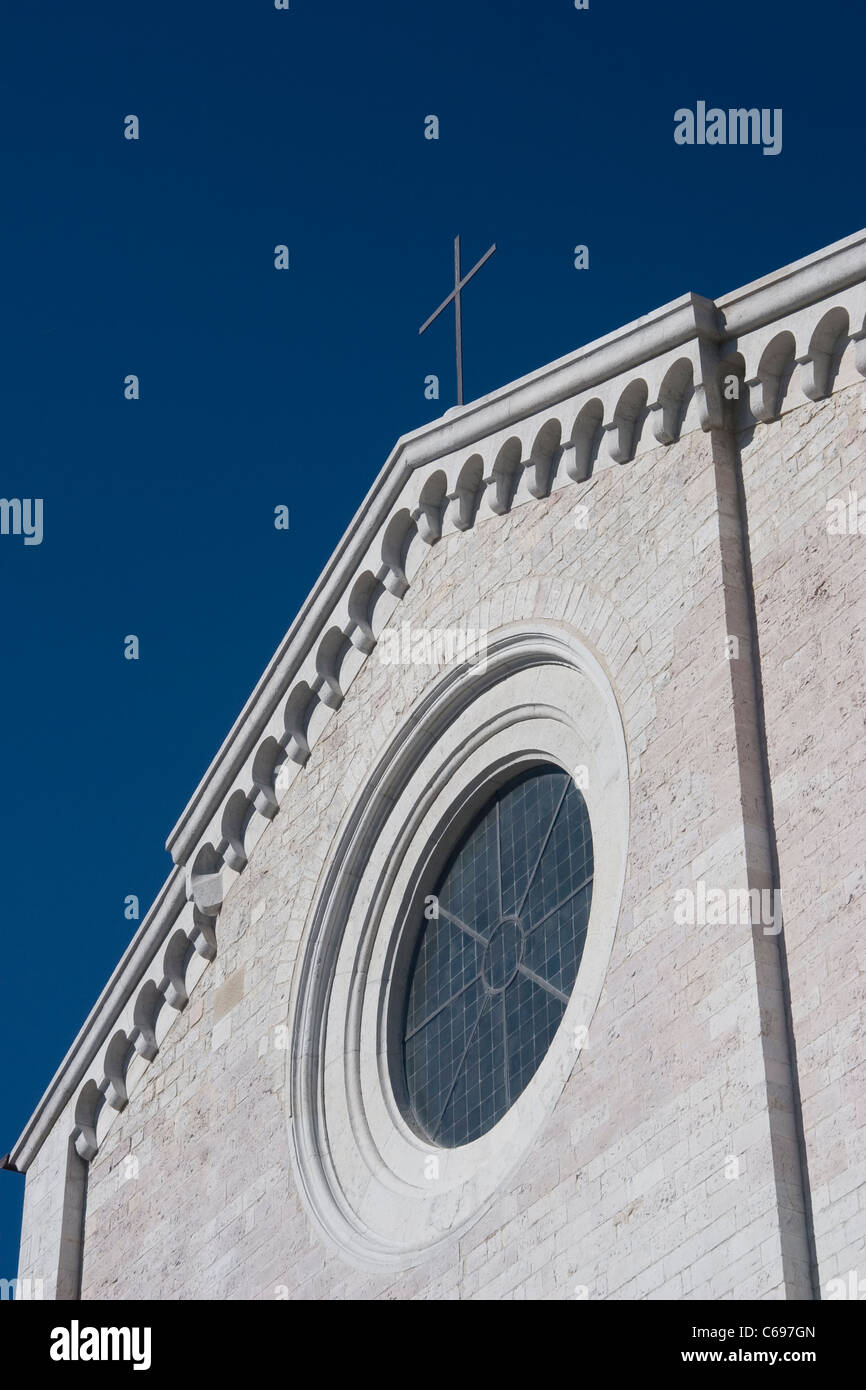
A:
x: 259, y: 387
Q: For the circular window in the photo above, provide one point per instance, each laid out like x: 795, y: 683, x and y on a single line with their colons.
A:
x: 497, y: 957
x: 467, y: 800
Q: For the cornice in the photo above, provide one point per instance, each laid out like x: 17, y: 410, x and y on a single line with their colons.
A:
x: 643, y: 386
x: 793, y: 287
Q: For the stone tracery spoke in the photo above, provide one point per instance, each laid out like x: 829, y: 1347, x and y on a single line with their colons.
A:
x: 442, y: 1007
x: 505, y: 1069
x: 499, y: 857
x: 544, y: 842
x: 560, y: 905
x: 456, y: 922
x: 530, y: 975
x: 460, y: 1064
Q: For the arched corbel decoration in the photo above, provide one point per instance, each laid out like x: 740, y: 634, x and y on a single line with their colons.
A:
x: 504, y: 476
x: 669, y: 411
x: 87, y: 1108
x: 627, y: 419
x: 117, y: 1057
x: 582, y: 450
x: 174, y: 964
x: 362, y: 601
x: 329, y: 658
x: 395, y: 547
x: 767, y: 389
x: 269, y: 756
x: 235, y: 819
x: 204, y: 881
x: 543, y: 458
x: 818, y: 369
x: 432, y: 503
x: 299, y: 707
x: 467, y: 493
x: 148, y: 1003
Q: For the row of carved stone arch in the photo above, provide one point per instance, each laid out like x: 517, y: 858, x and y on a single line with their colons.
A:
x: 819, y: 365
x: 171, y: 991
x: 493, y: 481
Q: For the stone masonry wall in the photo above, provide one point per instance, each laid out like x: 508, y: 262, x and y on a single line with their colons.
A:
x: 629, y: 1192
x: 811, y: 602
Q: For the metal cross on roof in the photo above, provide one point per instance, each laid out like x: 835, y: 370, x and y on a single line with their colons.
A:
x: 459, y: 283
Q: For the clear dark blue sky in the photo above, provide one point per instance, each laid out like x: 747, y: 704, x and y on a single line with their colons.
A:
x: 258, y: 387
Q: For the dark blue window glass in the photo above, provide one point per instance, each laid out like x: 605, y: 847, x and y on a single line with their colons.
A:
x: 492, y: 973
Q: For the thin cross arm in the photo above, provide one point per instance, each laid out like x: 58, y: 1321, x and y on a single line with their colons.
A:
x: 443, y: 305
x: 464, y: 281
x: 475, y: 269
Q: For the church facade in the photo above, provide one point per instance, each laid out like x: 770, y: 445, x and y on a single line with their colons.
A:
x: 513, y: 944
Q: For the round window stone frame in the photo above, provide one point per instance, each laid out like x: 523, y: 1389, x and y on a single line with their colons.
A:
x: 378, y: 1192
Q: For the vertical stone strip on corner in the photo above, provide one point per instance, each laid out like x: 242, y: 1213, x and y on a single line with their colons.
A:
x: 784, y: 1106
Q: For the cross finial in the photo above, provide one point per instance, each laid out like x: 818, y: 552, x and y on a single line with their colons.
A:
x: 459, y: 283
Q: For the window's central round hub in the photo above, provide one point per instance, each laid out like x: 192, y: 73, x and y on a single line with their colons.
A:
x: 502, y: 955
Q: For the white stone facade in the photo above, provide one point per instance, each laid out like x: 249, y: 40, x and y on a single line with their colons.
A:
x: 664, y: 602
